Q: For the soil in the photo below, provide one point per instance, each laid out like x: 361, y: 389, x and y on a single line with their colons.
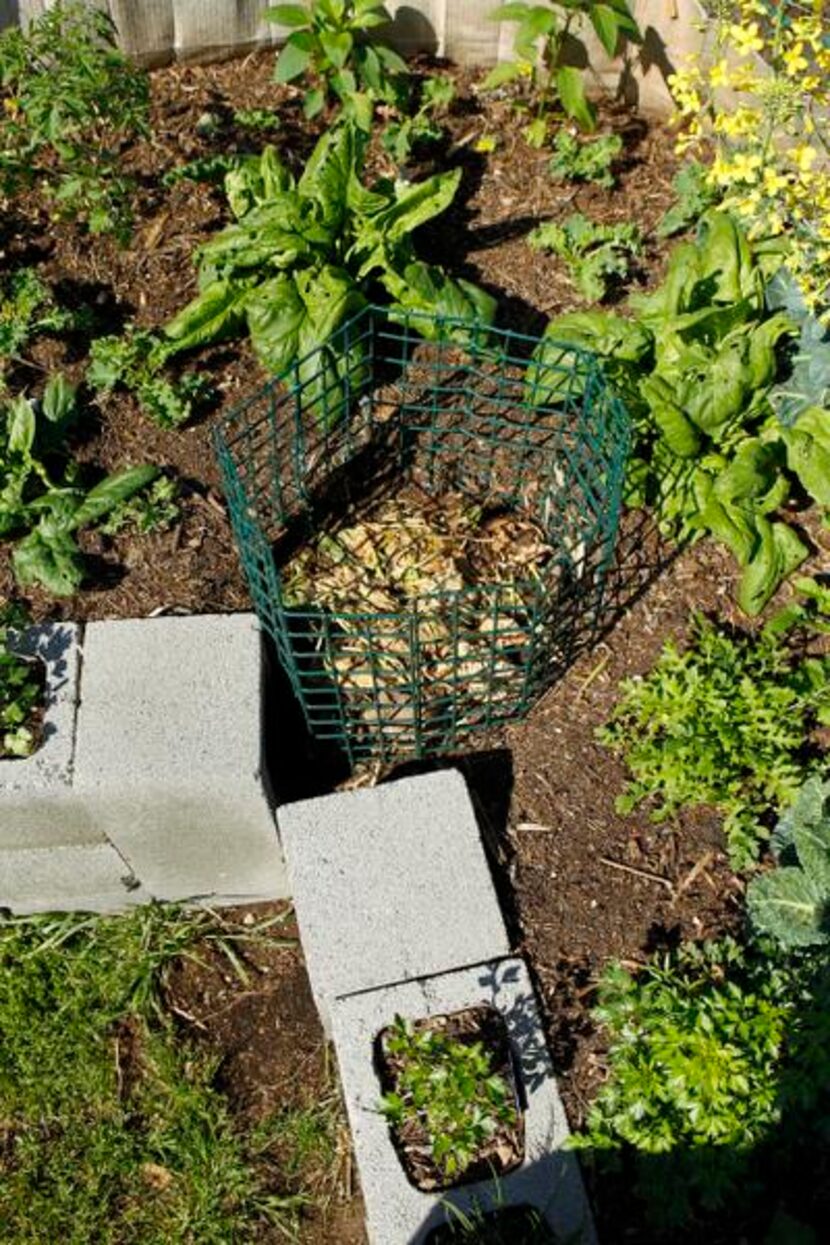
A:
x: 580, y: 883
x: 502, y: 1151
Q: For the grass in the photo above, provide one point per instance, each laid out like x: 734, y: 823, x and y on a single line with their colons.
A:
x: 110, y: 1127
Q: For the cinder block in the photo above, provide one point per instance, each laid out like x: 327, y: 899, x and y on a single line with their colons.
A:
x: 389, y: 883
x: 549, y: 1179
x: 89, y: 878
x: 37, y: 807
x: 169, y: 754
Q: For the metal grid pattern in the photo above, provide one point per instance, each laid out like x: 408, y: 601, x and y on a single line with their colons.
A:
x: 380, y: 408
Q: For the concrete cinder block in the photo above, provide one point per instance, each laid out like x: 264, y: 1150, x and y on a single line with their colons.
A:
x: 79, y: 878
x: 549, y: 1179
x: 389, y: 883
x: 37, y: 806
x: 169, y: 754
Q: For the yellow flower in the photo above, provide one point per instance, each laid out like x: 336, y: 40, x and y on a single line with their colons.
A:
x: 747, y: 38
x: 804, y: 157
x: 719, y: 73
x: 774, y: 181
x: 795, y: 60
x: 745, y: 166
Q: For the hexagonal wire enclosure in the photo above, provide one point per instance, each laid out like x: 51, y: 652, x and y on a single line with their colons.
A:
x: 391, y: 450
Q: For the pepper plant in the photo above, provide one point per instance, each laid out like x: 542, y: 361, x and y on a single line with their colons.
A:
x: 540, y: 42
x: 330, y: 42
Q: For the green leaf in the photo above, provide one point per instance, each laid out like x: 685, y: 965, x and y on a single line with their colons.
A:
x: 21, y: 425
x: 679, y: 432
x: 215, y: 314
x: 314, y: 101
x: 571, y: 90
x: 295, y: 57
x: 509, y: 13
x: 275, y: 312
x: 288, y: 15
x: 605, y: 22
x: 110, y: 493
x: 59, y: 399
x: 329, y: 170
x: 504, y: 72
x: 779, y: 552
x: 790, y: 906
x: 808, y: 452
x: 52, y: 560
x: 337, y: 46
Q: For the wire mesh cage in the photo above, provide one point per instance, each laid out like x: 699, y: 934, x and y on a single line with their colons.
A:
x: 425, y: 511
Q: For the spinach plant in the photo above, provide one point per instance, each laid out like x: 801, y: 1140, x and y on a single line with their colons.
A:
x: 723, y: 723
x: 590, y: 160
x: 710, y: 454
x: 594, y: 254
x: 306, y: 253
x: 450, y: 1088
x: 791, y: 903
x: 330, y: 41
x: 70, y: 100
x: 42, y: 512
x: 20, y: 689
x: 135, y: 361
x: 540, y: 41
x: 402, y: 135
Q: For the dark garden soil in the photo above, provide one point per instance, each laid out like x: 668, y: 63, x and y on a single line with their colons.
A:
x: 582, y: 884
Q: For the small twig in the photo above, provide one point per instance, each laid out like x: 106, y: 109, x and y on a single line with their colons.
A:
x: 638, y: 873
x: 693, y: 874
x: 533, y: 825
x: 592, y: 674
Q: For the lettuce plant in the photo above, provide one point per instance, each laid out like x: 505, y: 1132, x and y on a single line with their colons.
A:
x: 305, y: 254
x: 594, y: 253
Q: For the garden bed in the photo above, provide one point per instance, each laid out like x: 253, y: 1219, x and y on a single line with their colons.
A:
x: 584, y: 884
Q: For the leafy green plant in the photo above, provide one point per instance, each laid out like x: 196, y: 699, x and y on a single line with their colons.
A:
x: 594, y: 253
x: 696, y: 1042
x: 723, y: 723
x: 70, y: 100
x: 20, y: 689
x: 811, y: 613
x: 330, y: 40
x: 588, y: 160
x: 791, y: 903
x: 134, y: 361
x: 449, y: 1087
x: 710, y: 454
x: 260, y: 120
x: 405, y: 133
x: 694, y: 197
x: 540, y: 40
x: 42, y: 513
x: 155, y: 508
x: 28, y: 307
x: 304, y: 256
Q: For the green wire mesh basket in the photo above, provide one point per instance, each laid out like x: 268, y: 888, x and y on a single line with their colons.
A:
x: 425, y: 511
